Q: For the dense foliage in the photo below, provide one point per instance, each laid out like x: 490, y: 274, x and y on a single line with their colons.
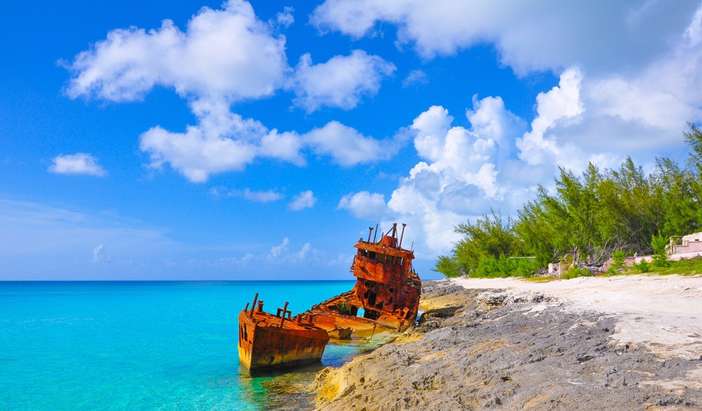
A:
x: 587, y: 218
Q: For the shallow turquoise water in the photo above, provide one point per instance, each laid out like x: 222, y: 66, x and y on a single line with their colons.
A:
x: 137, y: 345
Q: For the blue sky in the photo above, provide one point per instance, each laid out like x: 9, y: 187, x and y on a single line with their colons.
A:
x: 259, y: 140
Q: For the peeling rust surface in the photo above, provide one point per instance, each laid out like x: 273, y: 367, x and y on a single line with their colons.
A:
x: 271, y: 341
x: 384, y: 298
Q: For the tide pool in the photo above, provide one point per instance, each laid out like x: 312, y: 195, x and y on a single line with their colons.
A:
x: 138, y: 345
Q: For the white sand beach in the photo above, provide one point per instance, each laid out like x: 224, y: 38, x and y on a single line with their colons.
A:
x: 662, y: 312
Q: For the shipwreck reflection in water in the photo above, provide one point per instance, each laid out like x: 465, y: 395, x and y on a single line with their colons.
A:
x: 293, y: 389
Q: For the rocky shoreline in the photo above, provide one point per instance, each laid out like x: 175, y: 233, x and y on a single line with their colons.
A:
x: 476, y: 349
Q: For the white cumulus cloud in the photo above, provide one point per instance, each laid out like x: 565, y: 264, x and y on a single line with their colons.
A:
x: 286, y: 17
x: 415, y: 77
x: 77, y: 164
x: 305, y: 199
x: 535, y: 35
x: 225, y: 56
x: 348, y: 147
x: 365, y: 205
x: 339, y: 82
x: 284, y: 146
x: 458, y: 176
x: 197, y: 155
x: 226, y: 52
x: 222, y: 141
x: 560, y: 104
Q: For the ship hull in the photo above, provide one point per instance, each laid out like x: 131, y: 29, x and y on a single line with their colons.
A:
x: 267, y: 345
x: 344, y: 327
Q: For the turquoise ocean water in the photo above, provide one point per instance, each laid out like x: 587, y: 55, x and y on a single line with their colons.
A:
x: 137, y: 345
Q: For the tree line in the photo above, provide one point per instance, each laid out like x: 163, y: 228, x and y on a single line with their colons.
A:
x: 586, y: 219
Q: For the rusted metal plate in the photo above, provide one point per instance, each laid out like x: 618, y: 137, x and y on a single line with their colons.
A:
x: 270, y: 341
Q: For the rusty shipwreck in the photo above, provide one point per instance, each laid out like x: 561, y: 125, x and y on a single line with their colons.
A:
x: 384, y: 298
x: 267, y: 340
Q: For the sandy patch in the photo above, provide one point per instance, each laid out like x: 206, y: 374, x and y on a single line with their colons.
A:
x: 662, y: 312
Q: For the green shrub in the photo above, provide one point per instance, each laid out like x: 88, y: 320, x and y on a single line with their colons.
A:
x: 691, y: 266
x: 448, y: 267
x: 643, y: 266
x: 660, y: 256
x: 575, y: 272
x: 660, y: 261
x: 489, y: 235
x: 618, y: 258
x: 489, y: 266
